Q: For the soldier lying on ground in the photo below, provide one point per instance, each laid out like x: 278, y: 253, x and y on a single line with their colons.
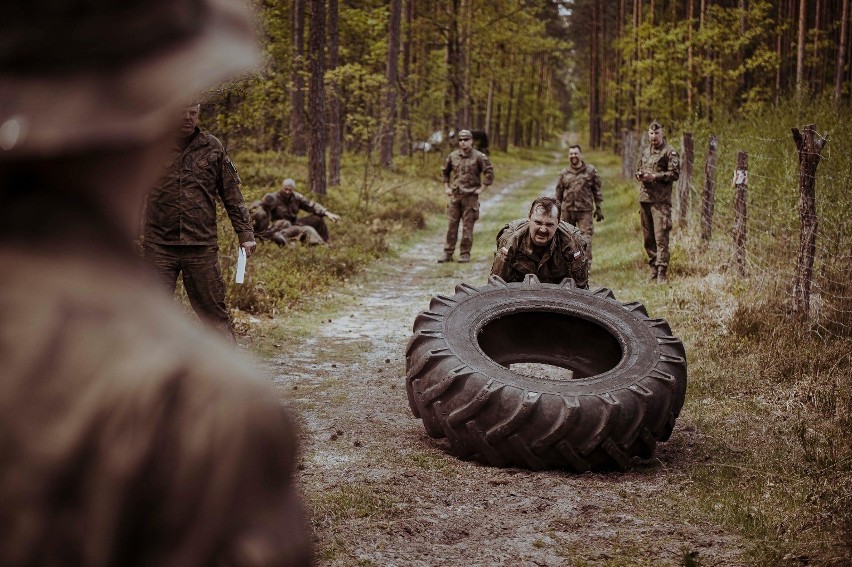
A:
x: 288, y: 202
x: 280, y: 231
x: 542, y: 245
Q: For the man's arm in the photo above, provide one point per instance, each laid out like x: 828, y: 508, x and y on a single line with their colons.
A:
x: 560, y: 190
x: 446, y: 169
x: 672, y: 172
x: 487, y: 169
x: 574, y: 249
x: 309, y: 206
x: 596, y: 193
x: 502, y: 265
x: 235, y: 206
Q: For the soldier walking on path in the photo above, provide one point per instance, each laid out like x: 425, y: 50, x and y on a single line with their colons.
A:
x: 466, y: 172
x: 578, y: 192
x: 288, y: 202
x: 658, y: 169
x: 181, y: 233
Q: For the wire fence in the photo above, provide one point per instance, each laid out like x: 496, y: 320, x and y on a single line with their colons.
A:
x: 781, y: 224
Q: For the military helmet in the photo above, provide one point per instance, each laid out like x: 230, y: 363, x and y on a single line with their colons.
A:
x: 465, y: 135
x: 289, y: 183
x: 83, y: 74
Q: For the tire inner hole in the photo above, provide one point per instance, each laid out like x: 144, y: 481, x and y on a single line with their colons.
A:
x: 550, y: 345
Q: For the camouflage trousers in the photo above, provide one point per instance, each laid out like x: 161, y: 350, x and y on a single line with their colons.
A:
x: 315, y: 221
x: 656, y: 220
x: 282, y: 232
x: 462, y: 208
x: 583, y: 221
x: 202, y: 279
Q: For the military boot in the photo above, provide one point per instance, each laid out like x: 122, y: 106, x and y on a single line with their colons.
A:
x: 445, y: 258
x: 652, y: 277
x: 464, y: 258
x: 661, y: 275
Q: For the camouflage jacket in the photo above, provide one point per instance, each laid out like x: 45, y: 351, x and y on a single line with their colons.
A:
x: 564, y: 257
x: 182, y: 207
x: 287, y: 206
x: 122, y: 398
x: 664, y: 163
x: 465, y: 173
x: 579, y: 189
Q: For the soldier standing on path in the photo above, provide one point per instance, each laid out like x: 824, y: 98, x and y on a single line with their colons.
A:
x: 180, y: 233
x: 288, y: 201
x: 578, y: 192
x: 658, y: 169
x: 466, y: 172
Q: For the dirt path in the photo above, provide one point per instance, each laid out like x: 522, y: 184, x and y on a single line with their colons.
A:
x: 383, y: 493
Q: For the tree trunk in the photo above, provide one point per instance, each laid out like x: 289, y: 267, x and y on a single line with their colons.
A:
x: 630, y: 151
x: 841, y: 54
x: 297, y: 89
x: 508, y: 123
x: 708, y: 200
x: 405, y: 110
x: 335, y: 133
x: 316, y: 106
x: 392, y: 77
x: 690, y: 63
x: 740, y: 212
x: 800, y: 48
x: 594, y: 133
x: 808, y: 145
x: 488, y: 107
x: 685, y: 181
x: 452, y: 93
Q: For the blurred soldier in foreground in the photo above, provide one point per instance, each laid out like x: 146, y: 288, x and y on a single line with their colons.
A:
x: 288, y: 202
x: 129, y: 435
x: 281, y: 232
x: 542, y: 245
x: 658, y: 168
x: 181, y: 233
x: 466, y: 172
x: 578, y: 192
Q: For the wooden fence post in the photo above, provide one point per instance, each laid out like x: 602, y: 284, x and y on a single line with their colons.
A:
x: 708, y: 199
x: 685, y: 180
x: 740, y: 211
x: 629, y: 154
x: 808, y: 146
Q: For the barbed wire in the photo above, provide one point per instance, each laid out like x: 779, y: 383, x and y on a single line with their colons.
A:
x: 774, y: 225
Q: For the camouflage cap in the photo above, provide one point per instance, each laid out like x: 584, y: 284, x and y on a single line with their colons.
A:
x: 83, y: 74
x: 654, y: 125
x: 289, y: 183
x: 465, y: 135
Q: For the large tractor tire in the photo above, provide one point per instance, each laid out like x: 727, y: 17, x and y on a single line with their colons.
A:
x: 626, y: 389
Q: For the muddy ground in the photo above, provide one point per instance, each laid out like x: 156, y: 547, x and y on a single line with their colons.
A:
x: 383, y: 493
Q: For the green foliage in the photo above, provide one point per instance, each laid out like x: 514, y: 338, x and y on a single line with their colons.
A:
x: 375, y: 211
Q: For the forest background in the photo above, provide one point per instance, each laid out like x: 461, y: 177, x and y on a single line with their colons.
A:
x: 358, y: 100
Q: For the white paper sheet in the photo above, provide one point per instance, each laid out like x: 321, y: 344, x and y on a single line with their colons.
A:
x: 241, y: 265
